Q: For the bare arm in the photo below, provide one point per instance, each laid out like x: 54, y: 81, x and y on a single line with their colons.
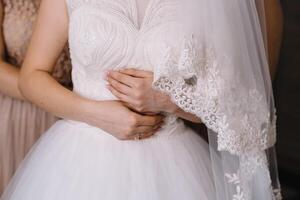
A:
x: 8, y: 74
x: 184, y: 115
x: 274, y: 23
x: 37, y: 85
x: 48, y: 40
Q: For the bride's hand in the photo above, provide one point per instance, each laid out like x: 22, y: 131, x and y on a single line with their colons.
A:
x: 121, y: 122
x: 134, y: 88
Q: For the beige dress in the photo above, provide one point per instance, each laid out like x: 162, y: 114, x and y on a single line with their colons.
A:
x: 21, y: 123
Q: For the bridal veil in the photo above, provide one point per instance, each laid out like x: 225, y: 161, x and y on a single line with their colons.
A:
x: 221, y: 75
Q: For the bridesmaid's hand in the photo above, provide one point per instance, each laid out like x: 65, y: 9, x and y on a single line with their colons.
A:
x: 121, y: 122
x: 134, y: 88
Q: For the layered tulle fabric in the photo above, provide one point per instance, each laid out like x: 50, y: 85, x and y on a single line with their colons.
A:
x: 21, y: 124
x: 74, y: 161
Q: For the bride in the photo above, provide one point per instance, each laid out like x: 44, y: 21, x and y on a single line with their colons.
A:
x: 139, y: 68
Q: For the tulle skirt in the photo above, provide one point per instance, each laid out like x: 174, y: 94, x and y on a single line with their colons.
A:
x: 75, y: 161
x: 21, y: 124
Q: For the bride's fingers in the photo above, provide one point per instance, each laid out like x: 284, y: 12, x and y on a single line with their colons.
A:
x: 147, y: 120
x: 148, y: 134
x: 137, y: 73
x: 133, y: 108
x: 120, y: 96
x: 147, y: 129
x: 130, y: 106
x: 138, y: 136
x: 123, y: 78
x: 120, y: 87
x: 151, y: 133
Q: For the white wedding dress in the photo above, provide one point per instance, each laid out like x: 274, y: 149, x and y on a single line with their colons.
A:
x: 76, y: 161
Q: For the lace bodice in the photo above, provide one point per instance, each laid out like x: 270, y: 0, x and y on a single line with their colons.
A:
x: 114, y: 34
x: 20, y: 15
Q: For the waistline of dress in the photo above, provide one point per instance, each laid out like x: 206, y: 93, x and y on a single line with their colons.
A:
x: 168, y: 130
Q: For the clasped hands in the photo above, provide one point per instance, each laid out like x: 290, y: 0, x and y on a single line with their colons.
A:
x: 134, y: 90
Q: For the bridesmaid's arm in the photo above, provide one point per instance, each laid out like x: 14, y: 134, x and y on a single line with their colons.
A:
x: 48, y: 40
x: 274, y: 23
x: 37, y: 85
x: 8, y: 74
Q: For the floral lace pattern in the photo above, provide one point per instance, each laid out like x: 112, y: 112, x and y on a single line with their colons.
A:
x: 277, y: 194
x: 240, y: 194
x: 241, y: 118
x: 195, y: 84
x: 235, y: 179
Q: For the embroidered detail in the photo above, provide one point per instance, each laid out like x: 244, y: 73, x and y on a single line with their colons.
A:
x: 277, y: 194
x: 194, y: 80
x: 235, y: 179
x: 240, y: 116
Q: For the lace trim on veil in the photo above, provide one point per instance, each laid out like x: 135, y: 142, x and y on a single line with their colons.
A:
x: 193, y: 80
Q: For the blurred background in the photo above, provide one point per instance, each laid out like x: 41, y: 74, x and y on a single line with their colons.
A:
x: 287, y: 97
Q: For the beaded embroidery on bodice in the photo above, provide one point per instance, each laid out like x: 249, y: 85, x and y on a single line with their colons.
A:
x: 21, y: 15
x: 107, y: 35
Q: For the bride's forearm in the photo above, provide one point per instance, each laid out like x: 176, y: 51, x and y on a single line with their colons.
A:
x: 40, y: 88
x: 174, y: 109
x: 188, y: 116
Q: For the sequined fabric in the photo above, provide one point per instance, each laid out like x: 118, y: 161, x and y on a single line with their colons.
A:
x: 18, y: 23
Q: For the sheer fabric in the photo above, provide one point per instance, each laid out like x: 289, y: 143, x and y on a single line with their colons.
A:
x: 221, y: 75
